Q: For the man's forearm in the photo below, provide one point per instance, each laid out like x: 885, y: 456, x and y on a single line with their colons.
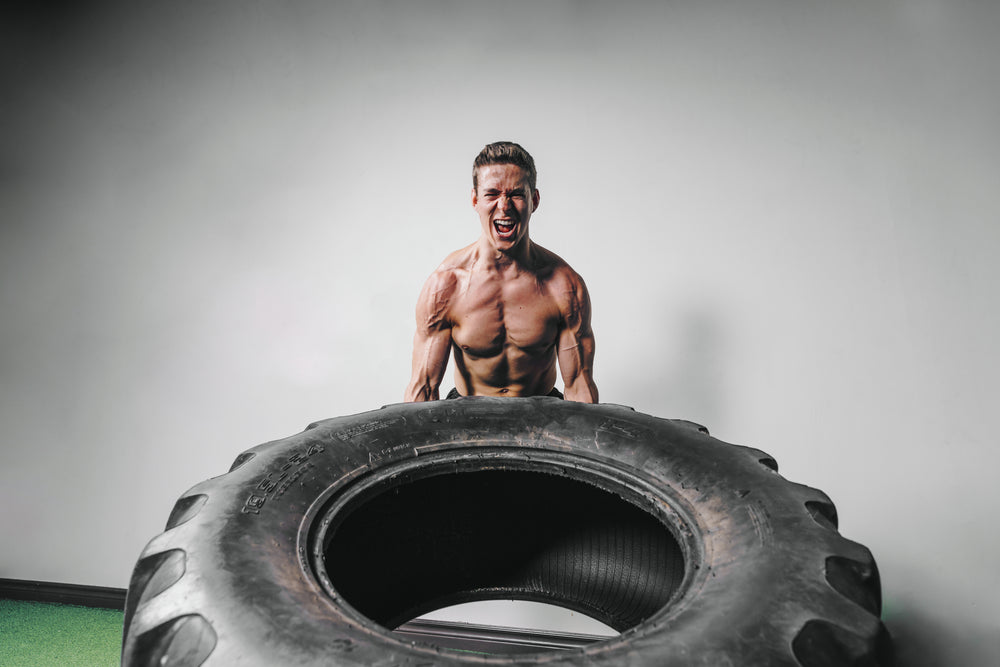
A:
x: 421, y: 392
x: 576, y: 362
x: 430, y: 359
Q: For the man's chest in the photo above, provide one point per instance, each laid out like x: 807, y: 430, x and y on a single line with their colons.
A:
x: 491, y: 317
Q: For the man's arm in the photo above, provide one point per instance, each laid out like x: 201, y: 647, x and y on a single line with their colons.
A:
x: 432, y: 341
x: 576, y: 344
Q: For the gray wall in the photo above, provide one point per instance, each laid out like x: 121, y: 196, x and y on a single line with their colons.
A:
x: 216, y: 218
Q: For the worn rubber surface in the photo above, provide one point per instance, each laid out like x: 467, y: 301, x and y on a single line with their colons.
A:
x: 313, y: 548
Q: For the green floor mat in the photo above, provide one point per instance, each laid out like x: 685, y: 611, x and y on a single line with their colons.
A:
x: 42, y: 634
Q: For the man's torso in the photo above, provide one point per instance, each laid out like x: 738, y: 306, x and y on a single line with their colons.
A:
x: 505, y: 326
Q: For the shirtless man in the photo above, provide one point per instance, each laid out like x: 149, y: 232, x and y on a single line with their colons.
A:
x: 508, y: 308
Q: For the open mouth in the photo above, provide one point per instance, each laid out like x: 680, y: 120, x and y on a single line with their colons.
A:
x: 505, y: 228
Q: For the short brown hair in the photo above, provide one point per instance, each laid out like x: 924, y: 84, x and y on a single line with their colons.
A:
x: 504, y: 152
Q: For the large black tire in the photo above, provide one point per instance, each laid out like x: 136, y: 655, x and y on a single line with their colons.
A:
x: 313, y: 548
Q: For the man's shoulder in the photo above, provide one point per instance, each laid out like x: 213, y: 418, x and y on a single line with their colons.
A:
x: 557, y: 271
x: 459, y: 260
x: 447, y: 276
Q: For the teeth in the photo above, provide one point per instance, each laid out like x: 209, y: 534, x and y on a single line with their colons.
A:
x: 504, y: 227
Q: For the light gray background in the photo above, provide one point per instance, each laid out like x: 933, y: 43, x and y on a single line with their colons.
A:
x: 216, y: 218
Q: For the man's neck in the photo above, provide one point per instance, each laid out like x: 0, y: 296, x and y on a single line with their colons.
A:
x: 517, y: 258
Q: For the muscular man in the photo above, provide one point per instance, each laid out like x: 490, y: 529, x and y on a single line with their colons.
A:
x: 508, y: 308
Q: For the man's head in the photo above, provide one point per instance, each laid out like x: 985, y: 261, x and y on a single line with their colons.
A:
x: 504, y: 152
x: 504, y: 195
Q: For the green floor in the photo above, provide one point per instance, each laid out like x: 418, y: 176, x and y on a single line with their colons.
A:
x: 42, y: 634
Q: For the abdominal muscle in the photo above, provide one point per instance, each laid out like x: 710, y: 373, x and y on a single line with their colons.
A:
x: 510, y: 370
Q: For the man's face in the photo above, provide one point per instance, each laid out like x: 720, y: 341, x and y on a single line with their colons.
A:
x: 504, y: 202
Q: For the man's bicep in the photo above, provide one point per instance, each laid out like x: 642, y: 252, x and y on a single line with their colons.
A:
x: 432, y: 340
x: 576, y: 310
x: 576, y: 346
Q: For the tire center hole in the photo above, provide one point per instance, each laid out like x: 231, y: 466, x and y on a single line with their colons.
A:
x: 413, y: 546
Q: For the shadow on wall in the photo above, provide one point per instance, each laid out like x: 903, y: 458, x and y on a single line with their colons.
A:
x: 923, y: 641
x: 687, y: 379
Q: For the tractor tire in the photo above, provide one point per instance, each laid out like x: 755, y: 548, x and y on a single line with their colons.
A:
x: 312, y: 549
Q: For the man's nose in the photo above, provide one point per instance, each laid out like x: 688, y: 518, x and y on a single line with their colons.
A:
x: 503, y: 203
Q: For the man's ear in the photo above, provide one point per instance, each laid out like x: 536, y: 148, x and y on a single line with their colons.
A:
x: 535, y: 198
x: 473, y: 196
